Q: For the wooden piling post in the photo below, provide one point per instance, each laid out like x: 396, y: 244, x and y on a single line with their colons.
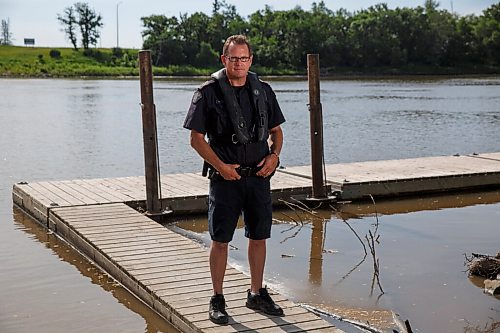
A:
x: 153, y: 204
x: 316, y: 124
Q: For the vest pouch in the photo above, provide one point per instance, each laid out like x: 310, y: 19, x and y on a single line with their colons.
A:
x: 255, y: 152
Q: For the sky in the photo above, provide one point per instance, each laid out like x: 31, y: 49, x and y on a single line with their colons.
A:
x: 38, y: 18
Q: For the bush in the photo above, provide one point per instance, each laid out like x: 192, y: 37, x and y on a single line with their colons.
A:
x: 117, y: 52
x: 95, y: 54
x: 55, y: 54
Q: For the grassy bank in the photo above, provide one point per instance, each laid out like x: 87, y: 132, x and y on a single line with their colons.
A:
x: 18, y: 61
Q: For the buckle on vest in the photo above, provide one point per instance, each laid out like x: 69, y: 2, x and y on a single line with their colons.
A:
x: 234, y: 139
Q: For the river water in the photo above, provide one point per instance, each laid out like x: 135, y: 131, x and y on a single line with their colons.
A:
x: 66, y: 129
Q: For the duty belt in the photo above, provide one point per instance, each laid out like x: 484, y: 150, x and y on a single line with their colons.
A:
x: 247, y: 171
x: 242, y: 171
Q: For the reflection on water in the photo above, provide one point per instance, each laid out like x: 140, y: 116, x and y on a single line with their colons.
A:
x: 316, y: 258
x: 153, y: 322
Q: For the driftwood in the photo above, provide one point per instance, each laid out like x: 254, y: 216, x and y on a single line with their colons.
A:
x: 487, y: 267
x: 483, y: 265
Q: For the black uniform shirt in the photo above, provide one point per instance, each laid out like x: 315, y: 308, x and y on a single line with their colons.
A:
x: 208, y: 115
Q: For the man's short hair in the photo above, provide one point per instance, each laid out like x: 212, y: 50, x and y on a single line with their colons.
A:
x: 238, y: 40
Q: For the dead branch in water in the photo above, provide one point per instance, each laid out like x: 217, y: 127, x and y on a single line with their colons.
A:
x: 371, y: 244
x: 307, y: 210
x: 376, y: 271
x: 292, y: 235
x: 376, y: 214
x: 290, y: 206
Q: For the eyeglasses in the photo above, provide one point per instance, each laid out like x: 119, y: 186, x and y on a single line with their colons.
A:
x: 235, y: 59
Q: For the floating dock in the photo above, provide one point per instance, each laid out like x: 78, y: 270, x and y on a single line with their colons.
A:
x: 170, y: 273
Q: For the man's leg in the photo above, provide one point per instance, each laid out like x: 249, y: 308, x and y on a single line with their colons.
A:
x: 218, y: 262
x: 256, y: 261
x: 257, y: 297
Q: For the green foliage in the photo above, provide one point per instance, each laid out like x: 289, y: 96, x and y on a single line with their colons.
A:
x: 81, y: 16
x: 55, y: 54
x: 206, y: 57
x: 424, y: 39
x: 377, y: 37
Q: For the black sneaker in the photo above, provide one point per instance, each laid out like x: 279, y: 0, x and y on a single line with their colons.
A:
x: 263, y: 302
x: 217, y: 310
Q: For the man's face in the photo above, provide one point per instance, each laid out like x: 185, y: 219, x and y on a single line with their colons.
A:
x: 234, y: 62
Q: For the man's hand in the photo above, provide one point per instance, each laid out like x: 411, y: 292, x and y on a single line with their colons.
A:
x: 268, y: 164
x: 228, y: 171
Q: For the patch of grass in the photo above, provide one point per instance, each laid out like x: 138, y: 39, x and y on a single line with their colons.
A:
x: 37, y: 61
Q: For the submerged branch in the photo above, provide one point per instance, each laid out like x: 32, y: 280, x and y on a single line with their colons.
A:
x: 307, y: 210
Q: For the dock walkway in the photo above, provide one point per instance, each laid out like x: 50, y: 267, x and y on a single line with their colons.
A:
x: 170, y: 273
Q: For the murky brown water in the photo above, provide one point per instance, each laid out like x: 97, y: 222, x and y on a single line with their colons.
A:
x: 67, y: 129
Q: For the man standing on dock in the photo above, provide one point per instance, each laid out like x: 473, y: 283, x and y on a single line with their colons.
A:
x: 241, y: 117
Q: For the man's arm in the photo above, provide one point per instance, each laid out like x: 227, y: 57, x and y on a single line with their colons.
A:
x: 270, y: 162
x: 227, y: 171
x: 276, y: 140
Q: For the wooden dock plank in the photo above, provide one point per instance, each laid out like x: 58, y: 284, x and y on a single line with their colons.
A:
x: 102, y: 194
x: 51, y: 197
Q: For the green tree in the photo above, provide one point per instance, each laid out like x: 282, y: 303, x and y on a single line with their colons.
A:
x: 206, y: 57
x: 487, y: 31
x: 81, y: 16
x: 162, y: 37
x: 192, y: 30
x: 89, y: 22
x: 374, y: 38
x: 69, y: 23
x: 6, y: 35
x: 224, y: 22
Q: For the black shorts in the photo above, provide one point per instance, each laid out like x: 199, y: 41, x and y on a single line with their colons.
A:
x: 229, y: 198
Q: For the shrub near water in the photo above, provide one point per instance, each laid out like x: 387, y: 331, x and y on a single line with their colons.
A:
x: 55, y: 54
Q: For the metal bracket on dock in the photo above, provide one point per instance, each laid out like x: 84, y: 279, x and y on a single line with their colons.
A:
x: 327, y: 199
x: 164, y: 212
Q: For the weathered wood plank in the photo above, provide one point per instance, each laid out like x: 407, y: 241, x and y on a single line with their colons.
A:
x: 103, y: 192
x: 53, y: 196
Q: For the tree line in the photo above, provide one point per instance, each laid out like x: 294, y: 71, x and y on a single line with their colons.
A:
x: 374, y: 37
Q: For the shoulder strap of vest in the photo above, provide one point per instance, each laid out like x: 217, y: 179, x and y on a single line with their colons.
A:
x: 260, y: 101
x: 235, y: 113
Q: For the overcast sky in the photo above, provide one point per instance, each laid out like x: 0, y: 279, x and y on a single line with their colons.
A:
x: 38, y: 18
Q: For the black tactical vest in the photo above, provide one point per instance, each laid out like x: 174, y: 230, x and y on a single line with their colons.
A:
x: 241, y: 131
